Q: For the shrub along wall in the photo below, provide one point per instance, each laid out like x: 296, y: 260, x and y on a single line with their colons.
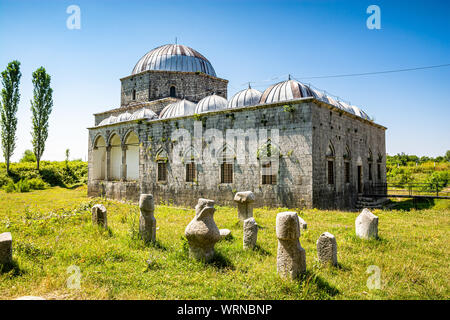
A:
x: 52, y: 173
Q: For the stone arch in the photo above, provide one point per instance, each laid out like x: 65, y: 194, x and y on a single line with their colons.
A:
x: 226, y: 154
x: 330, y: 153
x: 99, y: 158
x: 115, y: 147
x: 369, y: 155
x: 172, y: 91
x: 161, y: 155
x: 347, y: 153
x: 131, y: 149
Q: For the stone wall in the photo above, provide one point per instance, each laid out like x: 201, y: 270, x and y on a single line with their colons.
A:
x: 341, y: 130
x: 153, y: 85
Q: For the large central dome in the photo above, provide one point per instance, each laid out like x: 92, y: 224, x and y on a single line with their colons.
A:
x: 174, y: 57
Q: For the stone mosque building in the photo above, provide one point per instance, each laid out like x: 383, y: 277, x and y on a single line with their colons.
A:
x: 292, y: 145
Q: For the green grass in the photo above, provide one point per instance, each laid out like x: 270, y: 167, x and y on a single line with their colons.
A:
x: 52, y: 230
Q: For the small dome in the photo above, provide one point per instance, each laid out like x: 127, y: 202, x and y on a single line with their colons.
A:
x: 124, y: 117
x: 244, y: 98
x: 211, y: 103
x: 143, y: 113
x: 285, y: 90
x: 109, y: 120
x: 321, y: 96
x: 174, y: 57
x: 178, y: 109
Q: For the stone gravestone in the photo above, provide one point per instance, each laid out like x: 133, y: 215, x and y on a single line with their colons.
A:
x: 327, y: 249
x: 202, y: 232
x: 366, y: 225
x: 99, y: 215
x: 303, y: 224
x: 5, y: 248
x: 250, y: 233
x: 291, y: 257
x: 147, y: 221
x: 245, y: 201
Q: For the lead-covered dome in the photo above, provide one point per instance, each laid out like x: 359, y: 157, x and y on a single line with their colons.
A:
x: 244, y: 98
x: 211, y: 103
x: 107, y: 121
x: 178, y: 109
x: 143, y: 113
x: 174, y: 57
x: 285, y: 90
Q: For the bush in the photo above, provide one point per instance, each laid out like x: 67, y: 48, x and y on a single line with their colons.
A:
x: 37, y: 184
x: 53, y: 173
x: 28, y: 156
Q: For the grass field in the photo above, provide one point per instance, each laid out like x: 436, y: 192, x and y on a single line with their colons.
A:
x: 52, y: 231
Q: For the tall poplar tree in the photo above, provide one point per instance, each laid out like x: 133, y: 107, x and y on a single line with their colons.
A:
x: 8, y: 108
x: 41, y: 107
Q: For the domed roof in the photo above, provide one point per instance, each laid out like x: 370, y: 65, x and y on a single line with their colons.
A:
x: 174, y: 57
x: 178, y: 109
x: 143, y: 113
x: 211, y: 103
x: 124, y: 116
x: 339, y: 104
x: 247, y: 97
x: 109, y: 120
x: 285, y: 90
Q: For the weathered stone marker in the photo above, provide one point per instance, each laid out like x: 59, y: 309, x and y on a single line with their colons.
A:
x: 202, y: 232
x: 250, y: 233
x: 99, y: 215
x: 366, y: 225
x: 291, y: 257
x: 327, y: 249
x: 303, y: 224
x: 5, y: 248
x: 245, y: 201
x: 147, y: 221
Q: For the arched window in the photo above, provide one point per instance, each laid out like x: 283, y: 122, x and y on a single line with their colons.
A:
x: 172, y: 92
x: 161, y: 160
x: 330, y: 155
x: 370, y: 160
x: 347, y: 170
x: 226, y: 168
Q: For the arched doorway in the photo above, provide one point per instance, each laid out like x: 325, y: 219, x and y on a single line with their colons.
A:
x: 132, y: 156
x: 99, y: 158
x: 116, y: 157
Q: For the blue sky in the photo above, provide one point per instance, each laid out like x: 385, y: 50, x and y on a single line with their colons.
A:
x: 259, y: 41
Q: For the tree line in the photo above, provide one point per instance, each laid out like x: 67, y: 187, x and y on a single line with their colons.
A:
x: 403, y: 159
x: 41, y: 106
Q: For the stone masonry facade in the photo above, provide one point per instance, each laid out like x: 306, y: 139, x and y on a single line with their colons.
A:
x: 153, y: 85
x: 305, y: 133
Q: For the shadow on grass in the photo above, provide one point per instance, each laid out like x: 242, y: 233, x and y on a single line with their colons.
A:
x: 309, y: 278
x: 260, y: 250
x: 221, y: 262
x: 12, y: 268
x: 156, y: 244
x: 409, y: 204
